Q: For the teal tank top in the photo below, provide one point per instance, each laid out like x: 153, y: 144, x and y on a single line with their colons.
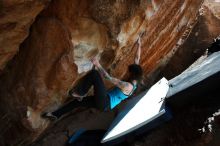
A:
x: 116, y: 96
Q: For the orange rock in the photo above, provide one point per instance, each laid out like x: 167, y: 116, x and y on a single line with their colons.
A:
x: 16, y: 18
x: 42, y: 74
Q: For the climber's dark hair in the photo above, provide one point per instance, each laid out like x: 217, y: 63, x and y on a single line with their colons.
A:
x: 135, y: 71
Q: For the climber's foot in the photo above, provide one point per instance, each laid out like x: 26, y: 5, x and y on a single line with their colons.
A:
x: 77, y: 96
x: 50, y: 116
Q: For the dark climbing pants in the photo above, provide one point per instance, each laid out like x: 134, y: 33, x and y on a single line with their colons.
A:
x: 100, y: 99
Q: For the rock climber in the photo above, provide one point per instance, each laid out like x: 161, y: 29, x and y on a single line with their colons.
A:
x: 102, y: 99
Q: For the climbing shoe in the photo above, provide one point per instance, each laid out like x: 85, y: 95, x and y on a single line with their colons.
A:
x: 50, y: 116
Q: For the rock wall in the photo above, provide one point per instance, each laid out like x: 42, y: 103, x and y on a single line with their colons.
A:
x: 16, y: 18
x: 38, y: 77
x: 64, y: 37
x: 198, y: 41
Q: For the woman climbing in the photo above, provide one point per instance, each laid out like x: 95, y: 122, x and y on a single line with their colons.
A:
x: 102, y: 99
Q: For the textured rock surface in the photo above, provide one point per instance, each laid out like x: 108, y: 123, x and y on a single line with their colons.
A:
x: 38, y: 77
x: 199, y: 39
x: 113, y: 28
x: 63, y: 37
x: 16, y: 17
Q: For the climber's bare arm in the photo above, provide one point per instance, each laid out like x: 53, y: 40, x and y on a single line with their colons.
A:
x: 126, y: 87
x: 138, y: 54
x: 103, y: 73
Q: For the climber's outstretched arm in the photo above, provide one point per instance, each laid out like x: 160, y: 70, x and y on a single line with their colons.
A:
x: 138, y: 54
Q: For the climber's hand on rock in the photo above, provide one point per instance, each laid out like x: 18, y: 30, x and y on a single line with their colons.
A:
x: 95, y: 61
x: 139, y: 40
